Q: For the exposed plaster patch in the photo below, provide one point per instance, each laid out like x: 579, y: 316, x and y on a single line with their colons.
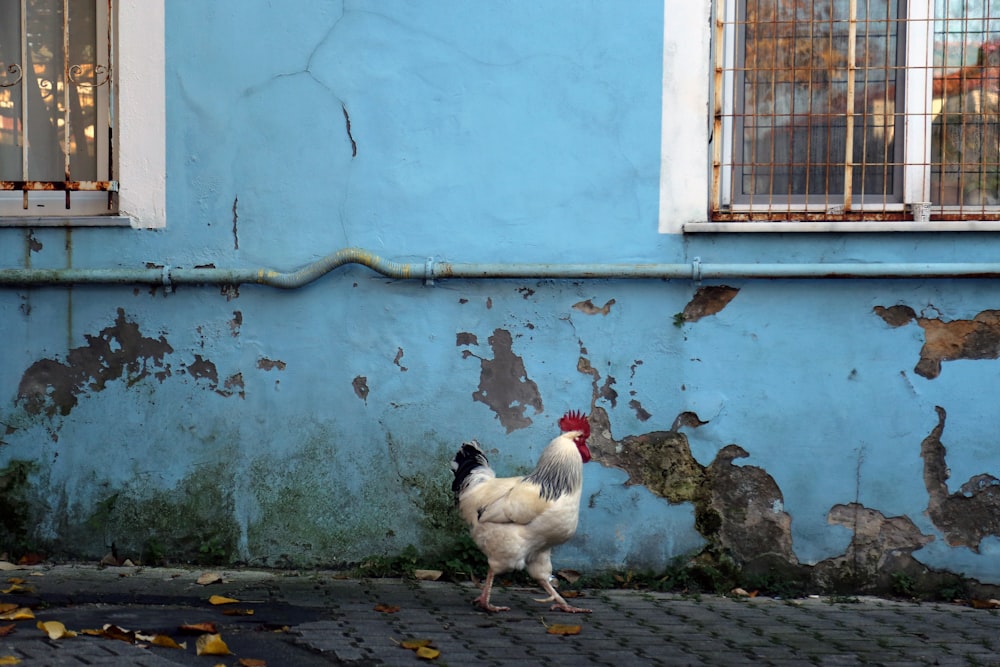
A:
x: 236, y: 323
x: 588, y: 308
x: 49, y: 386
x: 34, y: 245
x: 230, y: 292
x: 233, y: 386
x: 504, y: 384
x: 708, y: 301
x: 876, y: 539
x: 968, y: 515
x: 399, y: 355
x: 266, y: 364
x: 978, y: 338
x: 738, y: 509
x: 640, y: 412
x: 526, y: 292
x: 465, y: 338
x: 360, y: 384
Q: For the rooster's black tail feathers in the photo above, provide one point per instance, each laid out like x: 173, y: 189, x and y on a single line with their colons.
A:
x: 468, y: 458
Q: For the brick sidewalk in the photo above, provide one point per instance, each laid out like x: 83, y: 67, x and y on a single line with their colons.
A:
x: 316, y: 618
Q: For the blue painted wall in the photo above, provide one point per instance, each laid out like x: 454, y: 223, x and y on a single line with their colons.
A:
x: 315, y: 426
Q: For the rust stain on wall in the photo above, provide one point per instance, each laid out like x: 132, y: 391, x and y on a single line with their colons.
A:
x: 978, y: 338
x: 708, y: 301
x: 968, y: 515
x: 504, y: 384
x: 50, y: 386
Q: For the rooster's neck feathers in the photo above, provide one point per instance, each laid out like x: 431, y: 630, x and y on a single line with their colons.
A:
x: 560, y: 469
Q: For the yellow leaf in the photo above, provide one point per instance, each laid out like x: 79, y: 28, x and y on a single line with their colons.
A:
x: 7, y: 606
x: 559, y: 629
x: 166, y: 642
x: 54, y: 629
x: 18, y: 614
x: 237, y: 612
x: 251, y: 662
x: 16, y: 588
x: 9, y: 660
x: 427, y: 653
x: 15, y: 580
x: 218, y: 599
x: 211, y: 645
x: 414, y: 644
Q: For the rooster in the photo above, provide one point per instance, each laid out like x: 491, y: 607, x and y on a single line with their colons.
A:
x: 515, y: 521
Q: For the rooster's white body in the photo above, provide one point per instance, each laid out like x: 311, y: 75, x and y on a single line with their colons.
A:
x: 516, y: 521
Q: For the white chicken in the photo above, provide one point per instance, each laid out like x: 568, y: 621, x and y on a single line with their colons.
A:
x: 515, y: 521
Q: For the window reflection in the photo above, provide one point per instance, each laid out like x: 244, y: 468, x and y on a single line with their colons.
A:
x: 48, y: 103
x: 965, y: 150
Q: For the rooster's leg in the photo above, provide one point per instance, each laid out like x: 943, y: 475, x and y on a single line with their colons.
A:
x: 484, y: 598
x: 560, y: 603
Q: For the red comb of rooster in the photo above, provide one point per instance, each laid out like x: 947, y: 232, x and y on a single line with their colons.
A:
x: 574, y: 420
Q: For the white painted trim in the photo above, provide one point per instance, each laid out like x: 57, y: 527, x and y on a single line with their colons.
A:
x: 918, y: 95
x: 142, y: 128
x: 685, y: 114
x: 795, y: 227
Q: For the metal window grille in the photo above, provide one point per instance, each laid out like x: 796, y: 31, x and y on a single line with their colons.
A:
x: 56, y: 107
x: 856, y: 110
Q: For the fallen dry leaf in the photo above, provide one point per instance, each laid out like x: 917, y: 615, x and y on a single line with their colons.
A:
x: 209, y: 578
x: 560, y: 629
x: 9, y: 660
x: 386, y: 608
x: 237, y: 612
x: 414, y: 644
x: 7, y: 629
x: 121, y: 634
x: 17, y: 588
x: 7, y: 606
x: 15, y: 580
x: 30, y: 559
x: 985, y: 604
x: 428, y: 575
x: 572, y: 576
x: 54, y: 629
x: 17, y: 614
x: 251, y: 662
x: 6, y: 566
x: 199, y: 629
x: 427, y: 653
x: 219, y: 599
x: 166, y: 642
x: 211, y: 645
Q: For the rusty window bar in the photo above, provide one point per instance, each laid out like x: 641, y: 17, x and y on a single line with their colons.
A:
x: 72, y: 80
x: 901, y: 98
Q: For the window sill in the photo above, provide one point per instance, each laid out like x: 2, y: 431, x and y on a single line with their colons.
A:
x: 843, y: 226
x: 68, y: 221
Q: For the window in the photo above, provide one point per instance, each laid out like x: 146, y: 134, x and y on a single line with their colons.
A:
x: 857, y: 110
x: 75, y: 78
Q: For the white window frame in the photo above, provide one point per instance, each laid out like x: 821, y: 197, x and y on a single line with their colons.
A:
x: 679, y: 213
x: 139, y: 140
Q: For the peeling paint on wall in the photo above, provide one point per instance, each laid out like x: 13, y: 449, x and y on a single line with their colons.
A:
x: 360, y: 384
x: 738, y: 509
x: 266, y: 364
x: 504, y: 384
x: 971, y: 513
x: 399, y: 355
x: 588, y: 308
x: 978, y: 338
x: 708, y: 301
x: 49, y: 386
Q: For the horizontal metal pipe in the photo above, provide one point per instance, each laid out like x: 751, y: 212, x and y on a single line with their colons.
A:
x: 433, y: 270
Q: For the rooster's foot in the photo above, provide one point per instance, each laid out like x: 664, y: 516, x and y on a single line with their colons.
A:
x: 485, y: 605
x: 569, y: 609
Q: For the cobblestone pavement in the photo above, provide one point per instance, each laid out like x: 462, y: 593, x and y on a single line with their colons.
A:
x: 318, y: 618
